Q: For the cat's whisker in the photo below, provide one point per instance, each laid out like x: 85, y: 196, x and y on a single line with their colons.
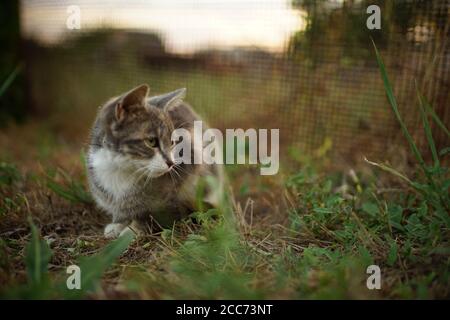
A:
x: 138, y: 171
x: 172, y: 178
x: 174, y: 169
x: 149, y: 178
x: 141, y: 175
x: 147, y: 171
x: 182, y: 170
x: 135, y: 176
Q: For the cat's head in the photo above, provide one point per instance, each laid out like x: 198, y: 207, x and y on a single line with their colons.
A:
x: 141, y: 131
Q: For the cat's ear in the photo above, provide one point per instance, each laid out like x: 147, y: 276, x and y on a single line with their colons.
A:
x: 168, y: 100
x: 131, y: 100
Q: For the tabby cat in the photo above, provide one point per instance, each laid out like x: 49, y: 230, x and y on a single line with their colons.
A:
x: 132, y: 170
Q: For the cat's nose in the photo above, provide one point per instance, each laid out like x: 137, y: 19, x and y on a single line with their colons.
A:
x: 169, y: 163
x: 168, y: 159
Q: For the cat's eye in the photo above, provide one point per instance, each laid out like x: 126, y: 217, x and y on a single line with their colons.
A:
x: 151, y: 142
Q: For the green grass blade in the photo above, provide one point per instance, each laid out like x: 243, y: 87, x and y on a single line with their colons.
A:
x: 435, y: 191
x: 435, y: 116
x: 428, y: 133
x: 392, y: 171
x: 9, y: 80
x: 61, y: 191
x: 37, y: 257
x: 393, y: 103
x: 72, y: 190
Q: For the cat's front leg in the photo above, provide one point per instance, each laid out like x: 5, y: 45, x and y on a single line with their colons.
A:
x: 118, y: 226
x: 113, y: 230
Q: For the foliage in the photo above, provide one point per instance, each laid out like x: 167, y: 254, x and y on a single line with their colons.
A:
x: 40, y: 286
x: 69, y: 189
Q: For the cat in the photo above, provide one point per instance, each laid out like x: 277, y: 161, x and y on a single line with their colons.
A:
x: 131, y: 167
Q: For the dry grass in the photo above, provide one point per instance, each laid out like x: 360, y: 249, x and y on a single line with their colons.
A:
x: 272, y: 259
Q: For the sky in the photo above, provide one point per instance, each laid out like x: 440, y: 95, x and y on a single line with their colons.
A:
x: 185, y: 25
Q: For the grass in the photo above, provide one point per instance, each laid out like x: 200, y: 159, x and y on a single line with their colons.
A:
x: 306, y: 233
x: 9, y: 80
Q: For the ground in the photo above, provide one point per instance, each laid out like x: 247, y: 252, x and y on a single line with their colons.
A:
x: 308, y: 232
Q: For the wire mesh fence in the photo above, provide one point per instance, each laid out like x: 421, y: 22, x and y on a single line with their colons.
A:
x: 305, y: 67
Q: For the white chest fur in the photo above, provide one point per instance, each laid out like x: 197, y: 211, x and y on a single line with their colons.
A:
x: 114, y: 172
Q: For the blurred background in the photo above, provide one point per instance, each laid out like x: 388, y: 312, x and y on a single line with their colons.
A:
x: 305, y: 67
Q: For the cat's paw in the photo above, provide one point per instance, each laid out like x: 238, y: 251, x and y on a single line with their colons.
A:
x: 113, y: 230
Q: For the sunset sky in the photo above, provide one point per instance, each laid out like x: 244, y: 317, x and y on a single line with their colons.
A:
x: 185, y: 25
